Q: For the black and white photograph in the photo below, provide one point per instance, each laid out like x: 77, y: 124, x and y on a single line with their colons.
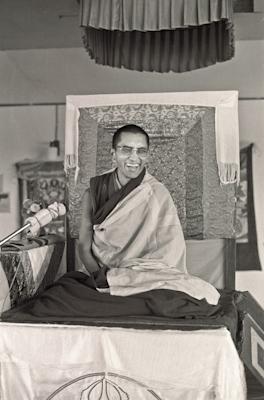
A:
x: 131, y: 199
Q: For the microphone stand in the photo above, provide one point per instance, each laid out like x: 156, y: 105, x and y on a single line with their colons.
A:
x: 7, y: 238
x: 41, y: 218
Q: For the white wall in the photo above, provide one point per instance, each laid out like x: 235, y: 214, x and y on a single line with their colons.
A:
x: 47, y: 76
x: 24, y: 133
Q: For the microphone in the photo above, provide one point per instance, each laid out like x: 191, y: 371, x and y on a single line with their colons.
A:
x: 44, y: 217
x: 40, y: 219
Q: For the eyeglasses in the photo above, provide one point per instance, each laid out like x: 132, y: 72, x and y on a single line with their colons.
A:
x: 142, y: 152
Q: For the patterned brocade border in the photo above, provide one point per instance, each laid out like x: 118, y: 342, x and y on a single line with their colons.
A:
x: 183, y: 157
x: 26, y: 270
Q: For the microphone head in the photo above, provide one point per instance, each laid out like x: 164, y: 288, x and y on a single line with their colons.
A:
x: 57, y: 208
x: 62, y: 209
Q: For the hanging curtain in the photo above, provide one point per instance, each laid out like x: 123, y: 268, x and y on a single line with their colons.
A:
x: 158, y: 35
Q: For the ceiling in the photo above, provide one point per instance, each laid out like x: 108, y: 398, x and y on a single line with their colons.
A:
x: 42, y: 24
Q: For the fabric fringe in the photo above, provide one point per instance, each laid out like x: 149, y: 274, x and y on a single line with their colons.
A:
x: 71, y: 162
x: 176, y: 50
x: 228, y: 173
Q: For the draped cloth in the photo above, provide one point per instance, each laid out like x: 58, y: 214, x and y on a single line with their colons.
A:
x: 103, y: 201
x: 194, y: 147
x: 27, y: 266
x: 158, y: 35
x: 142, y: 242
x: 69, y: 362
x: 143, y: 225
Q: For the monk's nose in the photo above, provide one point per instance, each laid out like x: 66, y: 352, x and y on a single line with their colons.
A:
x: 134, y: 155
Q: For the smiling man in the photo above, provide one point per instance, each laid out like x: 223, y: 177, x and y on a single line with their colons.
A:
x: 130, y: 150
x: 128, y: 216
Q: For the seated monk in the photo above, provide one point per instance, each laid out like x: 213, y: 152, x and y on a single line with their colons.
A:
x: 127, y: 213
x: 130, y: 226
x: 131, y: 243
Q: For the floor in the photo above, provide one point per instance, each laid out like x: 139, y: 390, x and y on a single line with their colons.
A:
x: 255, y: 389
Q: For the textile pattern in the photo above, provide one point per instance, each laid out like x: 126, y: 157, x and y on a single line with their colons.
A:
x: 182, y: 157
x: 27, y: 271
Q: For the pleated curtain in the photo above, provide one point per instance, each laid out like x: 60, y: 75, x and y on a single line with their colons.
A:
x: 158, y: 35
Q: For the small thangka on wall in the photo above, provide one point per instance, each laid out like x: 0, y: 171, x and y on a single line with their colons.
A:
x: 246, y: 237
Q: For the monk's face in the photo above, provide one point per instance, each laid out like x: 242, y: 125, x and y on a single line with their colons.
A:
x: 130, y: 155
